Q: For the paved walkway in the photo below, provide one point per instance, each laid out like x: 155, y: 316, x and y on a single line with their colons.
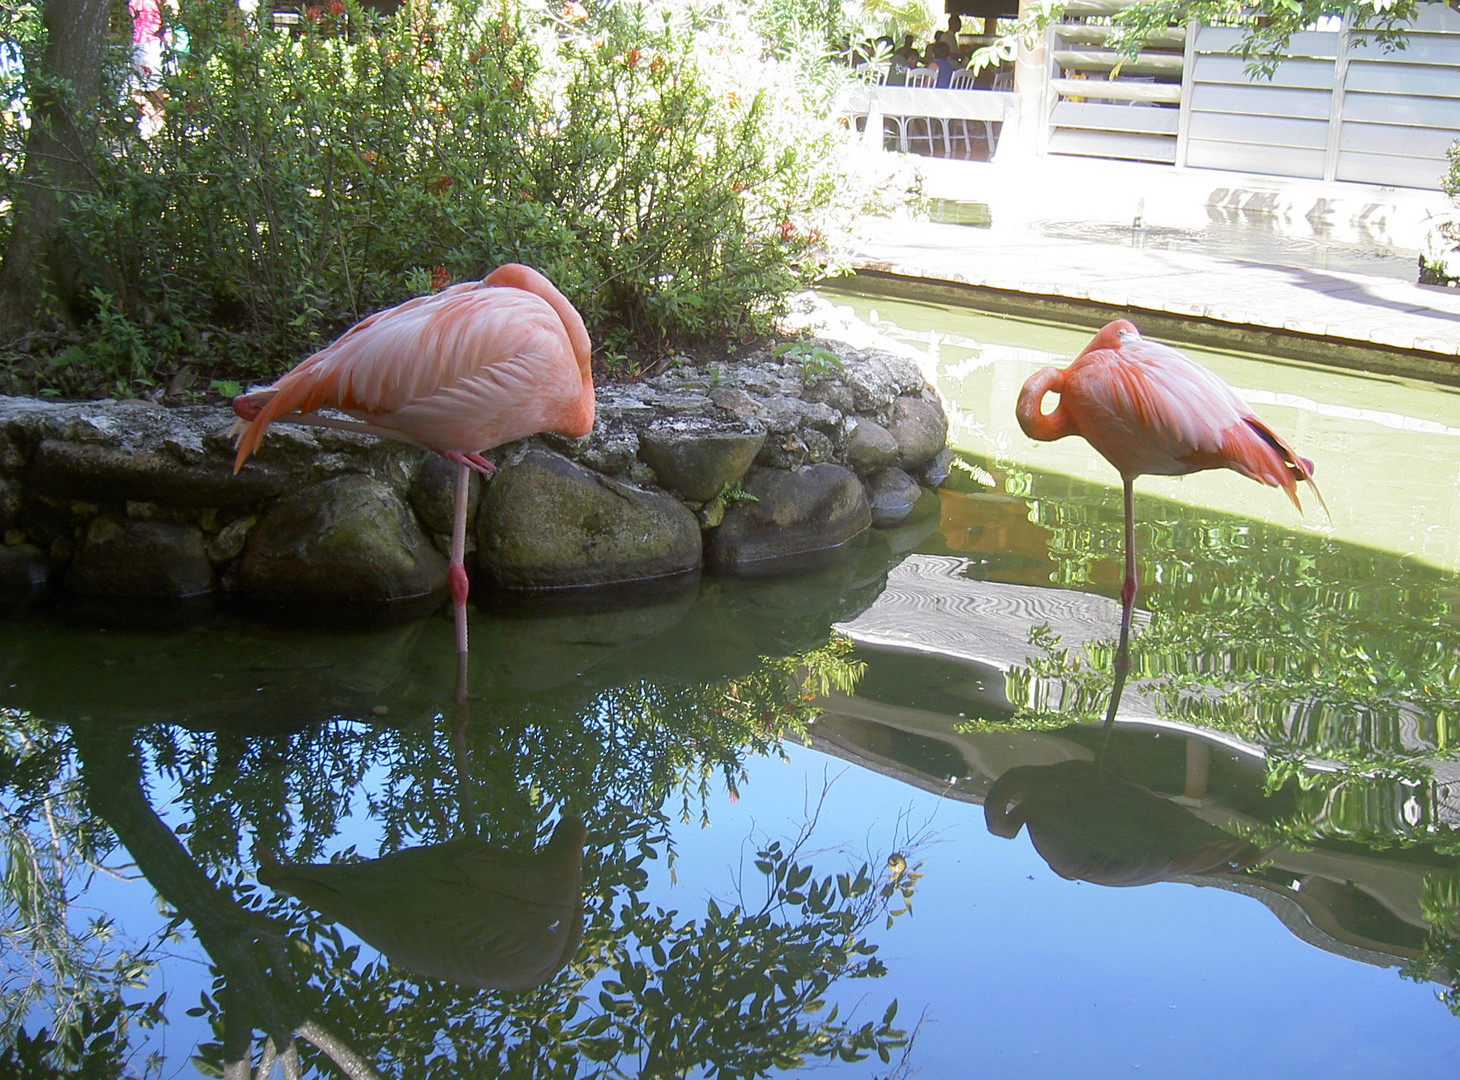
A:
x: 1337, y: 310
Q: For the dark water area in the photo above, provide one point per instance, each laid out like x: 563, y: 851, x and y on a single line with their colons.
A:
x: 864, y: 818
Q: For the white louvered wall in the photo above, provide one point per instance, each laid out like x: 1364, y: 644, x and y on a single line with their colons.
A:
x: 1338, y: 107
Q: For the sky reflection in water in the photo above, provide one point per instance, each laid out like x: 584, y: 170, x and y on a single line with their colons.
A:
x: 1294, y: 686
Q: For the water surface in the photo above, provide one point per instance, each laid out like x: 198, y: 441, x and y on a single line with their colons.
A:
x: 805, y: 800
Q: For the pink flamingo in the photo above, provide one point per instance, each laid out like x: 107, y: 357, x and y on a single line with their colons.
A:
x: 459, y: 372
x: 1148, y: 409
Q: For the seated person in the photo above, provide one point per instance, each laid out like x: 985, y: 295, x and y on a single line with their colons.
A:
x: 892, y: 60
x: 940, y: 57
x: 907, y: 52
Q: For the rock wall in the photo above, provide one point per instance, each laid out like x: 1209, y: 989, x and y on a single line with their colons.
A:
x: 748, y: 466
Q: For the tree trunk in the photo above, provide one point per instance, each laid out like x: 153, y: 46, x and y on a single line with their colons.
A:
x: 247, y: 948
x: 64, y: 94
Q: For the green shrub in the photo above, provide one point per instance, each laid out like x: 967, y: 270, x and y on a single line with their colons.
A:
x: 671, y: 174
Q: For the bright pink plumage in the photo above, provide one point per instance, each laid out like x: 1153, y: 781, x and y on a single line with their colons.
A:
x: 475, y: 366
x: 1148, y: 409
x: 459, y: 372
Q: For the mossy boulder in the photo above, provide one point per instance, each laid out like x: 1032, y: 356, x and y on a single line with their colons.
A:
x: 348, y: 539
x: 549, y: 522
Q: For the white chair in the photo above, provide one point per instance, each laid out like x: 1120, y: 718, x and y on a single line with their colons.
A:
x: 961, y: 130
x: 870, y: 75
x: 917, y: 79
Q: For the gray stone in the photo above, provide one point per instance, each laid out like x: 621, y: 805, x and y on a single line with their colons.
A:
x: 547, y: 522
x: 11, y: 457
x: 697, y: 461
x: 735, y: 400
x: 152, y: 560
x: 935, y: 472
x: 100, y: 473
x: 799, y: 433
x: 614, y: 454
x: 872, y: 385
x: 228, y: 543
x: 870, y: 446
x: 920, y: 428
x: 346, y: 539
x: 9, y: 504
x: 891, y: 494
x: 791, y: 513
x: 432, y: 495
x: 832, y: 391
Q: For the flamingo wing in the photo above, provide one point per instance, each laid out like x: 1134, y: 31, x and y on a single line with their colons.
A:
x: 465, y: 369
x: 1148, y: 409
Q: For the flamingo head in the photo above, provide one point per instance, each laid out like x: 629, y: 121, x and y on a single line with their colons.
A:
x: 1112, y: 336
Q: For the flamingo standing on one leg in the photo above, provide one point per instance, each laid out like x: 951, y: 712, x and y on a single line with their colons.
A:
x: 1148, y: 409
x: 458, y: 372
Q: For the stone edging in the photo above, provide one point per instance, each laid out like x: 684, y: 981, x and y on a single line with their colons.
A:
x: 740, y: 467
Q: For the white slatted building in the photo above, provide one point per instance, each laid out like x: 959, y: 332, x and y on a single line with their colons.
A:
x: 1339, y: 107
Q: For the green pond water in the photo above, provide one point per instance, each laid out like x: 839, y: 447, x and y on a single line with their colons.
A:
x: 864, y: 820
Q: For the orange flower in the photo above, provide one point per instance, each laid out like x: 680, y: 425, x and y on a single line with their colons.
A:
x: 337, y: 7
x: 573, y: 11
x: 656, y: 65
x: 631, y: 58
x: 439, y: 278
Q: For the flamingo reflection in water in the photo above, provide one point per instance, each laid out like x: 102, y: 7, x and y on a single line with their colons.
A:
x: 463, y: 911
x: 1090, y: 825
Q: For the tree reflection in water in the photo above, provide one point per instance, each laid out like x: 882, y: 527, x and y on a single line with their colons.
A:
x: 1313, y: 722
x: 1335, y: 665
x: 741, y: 988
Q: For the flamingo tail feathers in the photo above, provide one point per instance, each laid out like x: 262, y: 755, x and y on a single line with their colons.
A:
x: 257, y: 410
x: 1294, y: 467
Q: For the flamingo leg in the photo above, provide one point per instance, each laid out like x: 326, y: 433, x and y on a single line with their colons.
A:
x: 1128, y: 588
x: 473, y: 461
x: 1127, y: 606
x: 456, y: 575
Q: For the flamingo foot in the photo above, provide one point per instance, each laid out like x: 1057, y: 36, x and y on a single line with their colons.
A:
x: 471, y: 460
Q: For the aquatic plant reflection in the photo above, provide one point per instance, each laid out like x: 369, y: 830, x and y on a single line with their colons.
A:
x: 1319, y: 654
x: 618, y: 986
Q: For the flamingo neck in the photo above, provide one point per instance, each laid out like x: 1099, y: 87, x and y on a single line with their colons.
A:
x: 1037, y: 424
